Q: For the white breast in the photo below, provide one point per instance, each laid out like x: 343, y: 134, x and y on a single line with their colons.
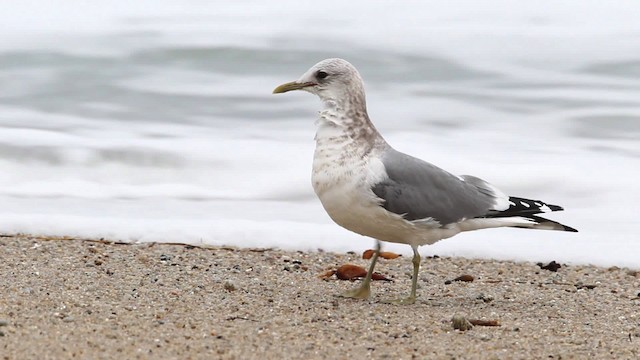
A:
x: 338, y: 167
x: 343, y: 175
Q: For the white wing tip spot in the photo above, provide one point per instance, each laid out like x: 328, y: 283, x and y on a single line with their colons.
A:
x: 524, y: 204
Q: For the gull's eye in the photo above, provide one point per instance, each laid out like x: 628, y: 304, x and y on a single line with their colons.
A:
x: 321, y: 74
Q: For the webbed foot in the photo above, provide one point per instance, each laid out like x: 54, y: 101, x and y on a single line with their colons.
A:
x: 361, y: 292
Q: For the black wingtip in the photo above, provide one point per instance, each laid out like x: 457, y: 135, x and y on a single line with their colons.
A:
x: 555, y: 207
x: 550, y: 224
x: 524, y: 207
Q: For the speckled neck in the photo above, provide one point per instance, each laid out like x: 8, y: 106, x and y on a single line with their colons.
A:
x: 347, y: 116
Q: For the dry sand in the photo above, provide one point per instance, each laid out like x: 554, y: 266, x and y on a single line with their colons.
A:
x: 90, y: 300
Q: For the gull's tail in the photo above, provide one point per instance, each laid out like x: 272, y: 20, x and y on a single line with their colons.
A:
x: 526, y: 209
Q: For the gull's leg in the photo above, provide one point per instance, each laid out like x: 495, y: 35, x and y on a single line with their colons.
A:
x: 363, y: 291
x: 414, y: 281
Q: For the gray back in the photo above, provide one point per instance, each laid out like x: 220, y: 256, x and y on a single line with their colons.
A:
x: 420, y: 190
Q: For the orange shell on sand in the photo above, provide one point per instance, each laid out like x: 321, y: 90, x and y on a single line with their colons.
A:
x: 368, y: 254
x: 327, y: 274
x: 485, y: 322
x: 351, y: 272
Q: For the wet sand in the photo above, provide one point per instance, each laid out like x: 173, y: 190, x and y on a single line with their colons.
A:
x: 85, y: 299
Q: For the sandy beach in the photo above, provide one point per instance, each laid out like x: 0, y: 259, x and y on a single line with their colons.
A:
x: 85, y: 299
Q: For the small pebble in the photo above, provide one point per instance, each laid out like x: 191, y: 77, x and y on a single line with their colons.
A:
x: 459, y: 322
x: 228, y: 286
x: 580, y: 286
x: 552, y: 266
x: 4, y: 322
x: 485, y: 298
x: 464, y: 278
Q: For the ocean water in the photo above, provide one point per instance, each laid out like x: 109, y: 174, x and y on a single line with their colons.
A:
x: 154, y: 120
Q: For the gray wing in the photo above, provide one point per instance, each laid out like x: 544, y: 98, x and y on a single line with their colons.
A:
x: 419, y: 190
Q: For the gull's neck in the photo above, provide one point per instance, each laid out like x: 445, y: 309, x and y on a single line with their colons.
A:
x: 344, y: 119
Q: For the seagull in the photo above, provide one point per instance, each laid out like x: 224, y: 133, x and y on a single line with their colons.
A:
x: 368, y: 187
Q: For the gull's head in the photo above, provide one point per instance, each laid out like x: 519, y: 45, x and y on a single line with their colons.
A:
x: 330, y: 79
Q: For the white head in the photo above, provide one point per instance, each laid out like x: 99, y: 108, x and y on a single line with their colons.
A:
x: 335, y: 81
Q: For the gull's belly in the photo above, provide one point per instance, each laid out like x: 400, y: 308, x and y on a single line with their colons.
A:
x: 344, y: 191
